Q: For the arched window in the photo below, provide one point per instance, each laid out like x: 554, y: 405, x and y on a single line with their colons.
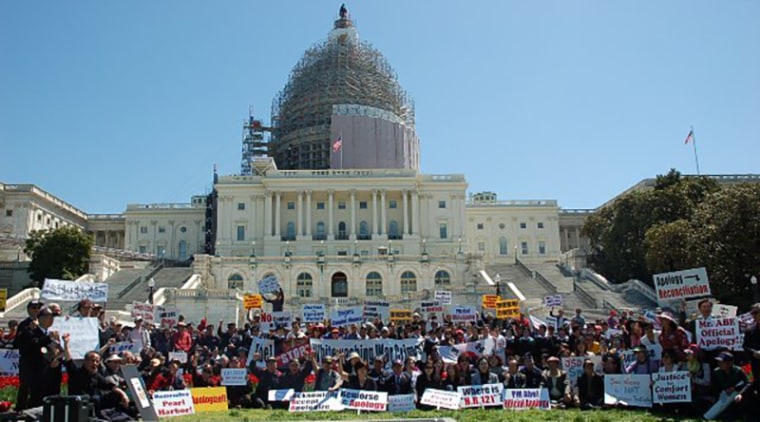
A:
x: 364, y: 230
x: 182, y: 248
x: 291, y: 231
x: 342, y: 235
x: 320, y: 231
x: 503, y: 246
x: 408, y: 282
x: 442, y: 278
x: 235, y: 281
x: 374, y: 284
x: 393, y: 230
x: 339, y: 285
x: 304, y: 285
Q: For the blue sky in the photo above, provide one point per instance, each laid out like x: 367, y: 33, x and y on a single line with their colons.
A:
x: 109, y: 103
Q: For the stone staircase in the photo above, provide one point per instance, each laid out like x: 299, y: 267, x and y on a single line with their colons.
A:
x: 164, y: 277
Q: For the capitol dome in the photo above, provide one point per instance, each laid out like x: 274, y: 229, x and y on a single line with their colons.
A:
x: 343, y: 89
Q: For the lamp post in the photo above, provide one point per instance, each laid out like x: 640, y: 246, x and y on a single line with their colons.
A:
x: 151, y: 286
x: 497, y: 278
x: 755, y: 292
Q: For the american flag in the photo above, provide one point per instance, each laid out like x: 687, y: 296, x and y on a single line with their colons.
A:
x: 689, y: 137
x: 337, y: 144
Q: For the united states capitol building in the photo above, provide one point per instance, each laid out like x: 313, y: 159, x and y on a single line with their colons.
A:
x: 330, y: 199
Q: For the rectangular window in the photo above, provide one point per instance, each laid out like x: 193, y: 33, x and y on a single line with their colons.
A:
x: 143, y: 249
x: 241, y: 206
x: 542, y: 248
x: 161, y: 229
x: 481, y: 246
x: 341, y: 205
x: 540, y: 224
x: 320, y: 205
x: 523, y: 225
x: 240, y: 233
x: 342, y: 253
x: 480, y: 226
x: 441, y: 204
x: 443, y: 231
x: 144, y: 230
x: 392, y: 204
x: 9, y: 213
x: 363, y: 205
x: 524, y: 247
x: 364, y: 253
x: 291, y: 205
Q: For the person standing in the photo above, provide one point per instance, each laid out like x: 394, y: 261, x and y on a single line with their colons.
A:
x: 22, y: 396
x: 751, y: 343
x: 34, y: 342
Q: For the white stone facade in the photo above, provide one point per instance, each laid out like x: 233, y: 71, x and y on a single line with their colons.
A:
x: 166, y: 230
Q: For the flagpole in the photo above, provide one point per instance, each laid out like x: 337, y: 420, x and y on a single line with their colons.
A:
x: 694, y: 143
x: 341, y: 152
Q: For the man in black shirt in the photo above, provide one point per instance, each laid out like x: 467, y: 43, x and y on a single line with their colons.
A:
x: 87, y: 380
x: 33, y: 344
x: 22, y: 397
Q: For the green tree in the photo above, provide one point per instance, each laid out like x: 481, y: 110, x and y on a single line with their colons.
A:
x: 669, y: 247
x: 63, y: 253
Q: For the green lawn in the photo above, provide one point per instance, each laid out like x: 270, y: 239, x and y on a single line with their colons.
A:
x: 470, y: 415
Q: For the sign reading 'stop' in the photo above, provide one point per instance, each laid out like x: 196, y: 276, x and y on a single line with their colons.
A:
x: 680, y: 285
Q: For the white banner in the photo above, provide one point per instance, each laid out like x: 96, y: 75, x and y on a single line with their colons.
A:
x: 313, y: 312
x: 724, y: 311
x: 463, y: 314
x: 679, y: 285
x: 441, y: 398
x: 526, y: 398
x: 173, y: 403
x: 264, y: 347
x: 281, y: 395
x: 84, y: 334
x: 269, y: 285
x: 671, y: 387
x: 553, y: 300
x: 145, y: 311
x: 443, y: 297
x: 377, y: 309
x: 401, y: 403
x: 375, y: 401
x: 73, y: 291
x: 9, y: 362
x: 347, y: 316
x: 315, y: 401
x: 718, y: 333
x: 180, y: 357
x: 628, y: 390
x: 431, y: 307
x: 485, y: 395
x: 166, y: 317
x: 123, y: 346
x: 369, y: 349
x: 234, y: 376
x: 574, y: 367
x: 272, y: 320
x: 474, y: 349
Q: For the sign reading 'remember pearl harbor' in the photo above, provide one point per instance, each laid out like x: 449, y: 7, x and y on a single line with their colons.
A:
x: 680, y: 285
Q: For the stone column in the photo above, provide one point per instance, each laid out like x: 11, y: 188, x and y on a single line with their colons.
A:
x: 308, y: 213
x: 353, y: 215
x: 415, y: 213
x: 383, y: 224
x: 299, y: 213
x: 277, y: 214
x: 374, y: 213
x: 172, y: 237
x: 405, y: 208
x: 330, y: 227
x: 267, y: 213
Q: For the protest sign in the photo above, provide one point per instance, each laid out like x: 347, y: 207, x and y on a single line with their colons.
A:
x: 377, y: 309
x: 122, y: 346
x: 315, y: 401
x: 526, y: 398
x: 574, y: 367
x: 73, y: 291
x: 347, y: 316
x: 463, y: 314
x: 234, y: 376
x: 443, y: 297
x: 313, y: 312
x: 723, y: 311
x: 401, y: 315
x: 145, y: 311
x: 746, y: 321
x: 272, y: 320
x: 671, y: 387
x: 167, y: 317
x: 3, y: 298
x: 173, y: 403
x: 506, y: 309
x: 389, y: 349
x: 553, y: 300
x: 264, y: 348
x: 485, y: 395
x: 679, y: 285
x: 473, y: 350
x: 363, y: 400
x: 293, y: 349
x: 441, y: 399
x: 252, y: 301
x: 180, y: 357
x: 489, y: 301
x: 84, y: 334
x: 627, y: 357
x: 137, y: 391
x: 551, y: 321
x: 280, y: 395
x: 627, y: 389
x: 431, y: 307
x: 9, y: 362
x: 269, y: 285
x: 209, y: 399
x: 401, y: 403
x: 718, y: 333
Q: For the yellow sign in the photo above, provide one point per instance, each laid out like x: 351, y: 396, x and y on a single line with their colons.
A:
x: 3, y: 298
x: 401, y: 315
x: 489, y: 301
x: 209, y: 399
x: 506, y: 313
x: 509, y: 303
x: 252, y: 301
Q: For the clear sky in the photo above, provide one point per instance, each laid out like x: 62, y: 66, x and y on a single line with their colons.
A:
x: 106, y: 103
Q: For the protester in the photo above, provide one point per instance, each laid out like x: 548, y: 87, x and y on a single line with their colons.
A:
x: 590, y: 387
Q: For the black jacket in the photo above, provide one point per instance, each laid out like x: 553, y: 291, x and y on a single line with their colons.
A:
x: 30, y: 342
x: 402, y: 385
x: 593, y: 392
x: 751, y: 345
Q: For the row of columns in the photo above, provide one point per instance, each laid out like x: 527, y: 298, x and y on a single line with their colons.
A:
x: 378, y: 227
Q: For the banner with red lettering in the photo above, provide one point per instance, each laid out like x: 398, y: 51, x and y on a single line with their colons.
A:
x: 293, y: 349
x: 526, y: 398
x: 173, y: 403
x: 375, y: 401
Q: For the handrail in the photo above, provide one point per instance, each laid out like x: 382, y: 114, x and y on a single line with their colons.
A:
x: 585, y: 296
x: 546, y: 284
x: 21, y: 297
x: 138, y: 280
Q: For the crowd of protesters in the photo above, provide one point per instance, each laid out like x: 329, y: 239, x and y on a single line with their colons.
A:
x: 524, y: 355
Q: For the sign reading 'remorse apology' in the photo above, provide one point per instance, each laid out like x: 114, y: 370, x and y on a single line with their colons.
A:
x: 679, y: 285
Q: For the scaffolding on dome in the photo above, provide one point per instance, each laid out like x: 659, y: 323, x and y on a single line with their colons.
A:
x: 254, y: 144
x: 338, y: 71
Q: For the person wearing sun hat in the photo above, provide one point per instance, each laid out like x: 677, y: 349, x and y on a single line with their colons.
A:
x: 672, y: 336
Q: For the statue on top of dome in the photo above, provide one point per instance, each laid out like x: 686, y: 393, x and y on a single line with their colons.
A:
x: 343, y: 11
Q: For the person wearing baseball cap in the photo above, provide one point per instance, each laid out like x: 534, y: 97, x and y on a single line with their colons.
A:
x: 728, y: 380
x: 399, y: 381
